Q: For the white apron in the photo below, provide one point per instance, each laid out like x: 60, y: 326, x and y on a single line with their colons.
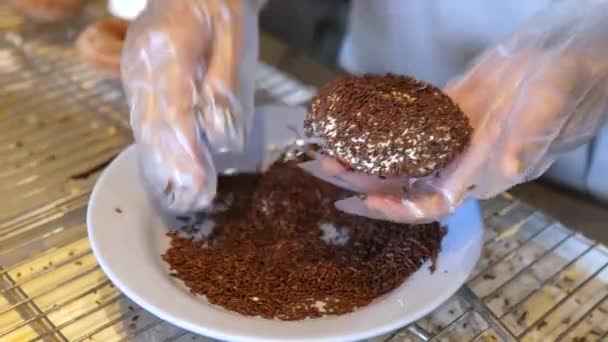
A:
x: 435, y: 40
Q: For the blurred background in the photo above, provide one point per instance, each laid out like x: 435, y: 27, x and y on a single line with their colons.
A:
x: 315, y: 27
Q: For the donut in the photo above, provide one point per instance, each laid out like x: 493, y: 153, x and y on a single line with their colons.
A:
x: 100, y: 44
x: 48, y: 10
x: 388, y: 125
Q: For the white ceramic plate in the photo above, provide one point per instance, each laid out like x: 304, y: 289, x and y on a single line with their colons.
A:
x: 128, y: 246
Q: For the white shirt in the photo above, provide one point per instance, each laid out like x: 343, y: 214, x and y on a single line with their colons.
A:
x: 433, y: 40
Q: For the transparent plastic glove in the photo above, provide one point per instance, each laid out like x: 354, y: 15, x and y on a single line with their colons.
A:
x: 541, y: 93
x: 187, y: 69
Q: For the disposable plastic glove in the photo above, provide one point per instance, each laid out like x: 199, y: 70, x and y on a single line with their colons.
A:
x: 539, y: 94
x: 187, y: 69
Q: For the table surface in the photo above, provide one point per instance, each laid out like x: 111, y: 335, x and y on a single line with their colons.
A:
x: 61, y: 123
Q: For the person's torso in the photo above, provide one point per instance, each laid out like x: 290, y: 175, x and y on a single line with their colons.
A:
x: 430, y: 39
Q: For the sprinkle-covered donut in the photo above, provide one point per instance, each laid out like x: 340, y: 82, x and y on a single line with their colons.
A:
x: 392, y: 126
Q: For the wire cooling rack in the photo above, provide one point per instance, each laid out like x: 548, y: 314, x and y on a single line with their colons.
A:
x: 61, y: 124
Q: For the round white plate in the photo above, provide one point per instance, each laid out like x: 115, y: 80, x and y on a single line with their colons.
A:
x: 128, y: 244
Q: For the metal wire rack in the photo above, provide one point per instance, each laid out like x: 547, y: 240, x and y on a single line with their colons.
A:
x: 61, y: 123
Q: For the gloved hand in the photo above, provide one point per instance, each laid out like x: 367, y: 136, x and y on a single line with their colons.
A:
x: 542, y: 92
x: 187, y: 69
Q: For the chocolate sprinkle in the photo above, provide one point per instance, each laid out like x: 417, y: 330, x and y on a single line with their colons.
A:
x: 388, y: 125
x: 280, y: 249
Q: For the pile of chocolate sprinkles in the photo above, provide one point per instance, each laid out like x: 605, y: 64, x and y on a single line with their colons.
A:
x: 275, y: 246
x: 388, y: 125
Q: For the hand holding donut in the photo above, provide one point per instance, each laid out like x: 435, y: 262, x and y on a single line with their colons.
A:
x: 187, y: 69
x: 542, y: 92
